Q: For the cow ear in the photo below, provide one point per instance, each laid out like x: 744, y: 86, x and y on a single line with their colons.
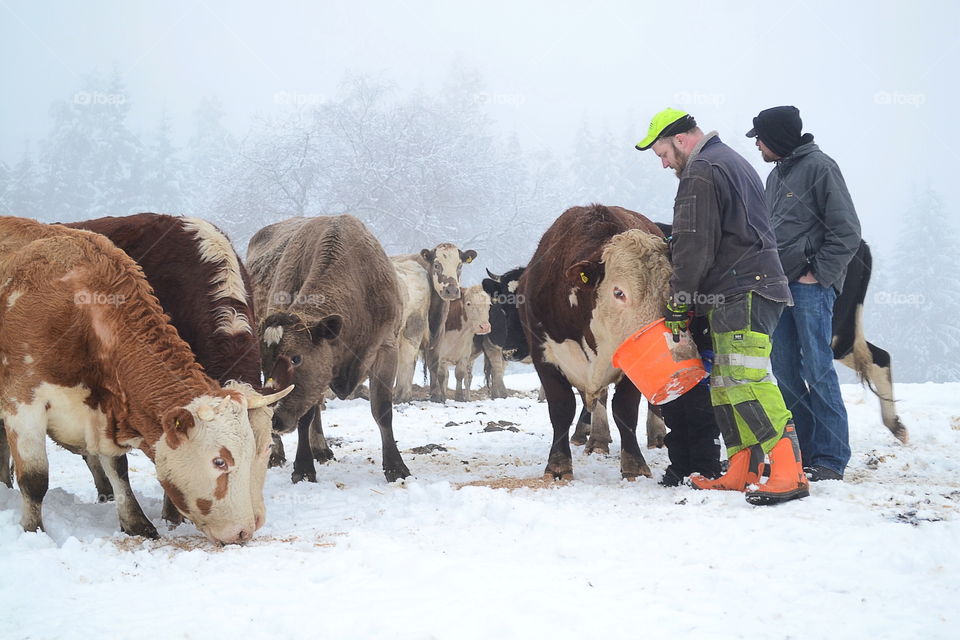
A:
x: 177, y: 423
x: 585, y: 274
x: 428, y: 254
x: 492, y: 287
x: 468, y: 256
x: 326, y: 329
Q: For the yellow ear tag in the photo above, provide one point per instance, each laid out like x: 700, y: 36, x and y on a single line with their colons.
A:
x: 469, y: 260
x: 176, y: 422
x: 584, y: 277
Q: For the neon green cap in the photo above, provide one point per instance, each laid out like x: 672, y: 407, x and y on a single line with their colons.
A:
x: 666, y: 123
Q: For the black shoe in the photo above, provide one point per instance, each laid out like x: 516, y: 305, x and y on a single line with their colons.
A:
x: 670, y: 478
x: 816, y: 473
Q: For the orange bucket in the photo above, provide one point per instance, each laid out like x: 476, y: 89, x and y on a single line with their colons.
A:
x: 663, y: 370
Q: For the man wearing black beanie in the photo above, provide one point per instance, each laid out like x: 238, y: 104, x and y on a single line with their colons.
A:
x: 818, y: 232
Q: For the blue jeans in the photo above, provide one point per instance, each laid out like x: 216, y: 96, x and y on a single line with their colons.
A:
x: 803, y: 365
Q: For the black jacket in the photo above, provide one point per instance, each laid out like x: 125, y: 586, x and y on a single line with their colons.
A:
x: 722, y: 242
x: 813, y: 216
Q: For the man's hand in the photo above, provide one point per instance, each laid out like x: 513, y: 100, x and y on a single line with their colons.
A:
x: 677, y: 318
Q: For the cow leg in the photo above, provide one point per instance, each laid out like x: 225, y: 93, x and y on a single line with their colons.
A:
x: 880, y: 377
x: 5, y: 476
x: 656, y: 428
x: 493, y: 367
x: 381, y: 406
x: 28, y: 446
x: 438, y: 375
x: 599, y: 439
x: 562, y: 405
x: 303, y: 467
x: 626, y: 408
x: 133, y: 521
x: 319, y: 449
x: 582, y: 429
x: 464, y: 377
x: 100, y: 480
x: 406, y: 369
x: 277, y: 455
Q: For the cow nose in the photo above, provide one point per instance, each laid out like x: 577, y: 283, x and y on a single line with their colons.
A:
x: 452, y: 291
x: 484, y: 328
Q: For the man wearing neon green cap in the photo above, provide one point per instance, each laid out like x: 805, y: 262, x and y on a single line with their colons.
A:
x: 726, y: 266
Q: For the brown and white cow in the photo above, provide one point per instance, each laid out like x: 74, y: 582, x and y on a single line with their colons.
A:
x: 467, y: 319
x: 90, y: 359
x: 428, y: 282
x: 203, y: 286
x: 330, y: 307
x: 599, y: 274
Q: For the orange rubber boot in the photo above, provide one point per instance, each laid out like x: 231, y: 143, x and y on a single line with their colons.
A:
x: 745, y: 468
x: 787, y: 480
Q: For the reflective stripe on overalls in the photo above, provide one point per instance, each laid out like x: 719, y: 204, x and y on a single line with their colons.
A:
x: 748, y: 403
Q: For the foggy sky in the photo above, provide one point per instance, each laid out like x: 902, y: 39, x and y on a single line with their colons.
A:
x: 876, y: 83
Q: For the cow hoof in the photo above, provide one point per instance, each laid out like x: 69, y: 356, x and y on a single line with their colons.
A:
x: 324, y: 455
x: 392, y: 475
x: 277, y: 455
x: 597, y: 447
x: 558, y: 477
x: 298, y: 476
x: 144, y: 529
x: 578, y: 440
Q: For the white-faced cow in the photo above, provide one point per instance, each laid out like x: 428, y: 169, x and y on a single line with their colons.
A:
x: 850, y: 346
x: 467, y: 320
x: 508, y: 341
x: 90, y: 359
x: 330, y: 307
x: 599, y: 274
x: 429, y: 281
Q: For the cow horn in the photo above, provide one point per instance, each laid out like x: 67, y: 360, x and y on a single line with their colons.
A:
x: 205, y: 413
x: 257, y: 400
x: 493, y: 276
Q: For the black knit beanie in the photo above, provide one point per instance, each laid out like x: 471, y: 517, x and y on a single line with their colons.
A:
x: 779, y: 128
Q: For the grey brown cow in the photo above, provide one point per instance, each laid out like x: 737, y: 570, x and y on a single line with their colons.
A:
x: 330, y: 307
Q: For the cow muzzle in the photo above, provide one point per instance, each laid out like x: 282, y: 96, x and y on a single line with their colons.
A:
x: 483, y: 329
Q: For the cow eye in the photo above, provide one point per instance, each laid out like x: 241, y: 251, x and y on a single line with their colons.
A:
x: 296, y: 360
x: 220, y: 464
x: 619, y: 294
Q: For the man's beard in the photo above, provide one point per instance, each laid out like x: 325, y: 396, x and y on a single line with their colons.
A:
x: 682, y: 158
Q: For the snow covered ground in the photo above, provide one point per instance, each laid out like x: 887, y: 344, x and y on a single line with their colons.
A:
x: 876, y: 556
